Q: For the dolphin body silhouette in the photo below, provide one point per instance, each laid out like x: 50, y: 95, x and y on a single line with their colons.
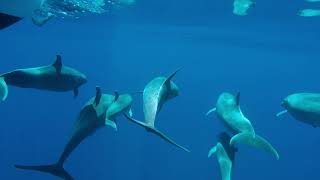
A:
x: 55, y: 77
x: 99, y: 111
x: 155, y: 95
x: 304, y: 107
x: 229, y: 112
x: 225, y: 155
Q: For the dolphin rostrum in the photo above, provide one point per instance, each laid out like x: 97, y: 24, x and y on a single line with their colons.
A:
x: 229, y: 112
x: 304, y: 107
x: 99, y: 111
x: 54, y: 77
x: 155, y: 95
x: 225, y: 155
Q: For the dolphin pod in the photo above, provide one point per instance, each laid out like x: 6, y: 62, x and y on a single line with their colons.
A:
x: 54, y: 77
x: 304, y: 107
x: 229, y: 112
x: 155, y: 95
x: 104, y: 109
x: 96, y: 113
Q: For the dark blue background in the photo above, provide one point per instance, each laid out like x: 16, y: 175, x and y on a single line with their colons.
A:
x: 266, y: 55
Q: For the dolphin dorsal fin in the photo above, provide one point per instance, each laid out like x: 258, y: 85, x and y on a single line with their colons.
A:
x: 171, y: 76
x: 238, y: 99
x: 116, y: 96
x: 98, y: 96
x: 58, y: 64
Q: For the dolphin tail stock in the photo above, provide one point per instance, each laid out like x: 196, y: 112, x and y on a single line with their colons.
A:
x: 282, y: 113
x: 157, y: 132
x: 3, y: 89
x: 55, y: 169
x: 254, y: 140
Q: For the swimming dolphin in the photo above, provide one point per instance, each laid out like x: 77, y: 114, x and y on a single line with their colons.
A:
x: 304, y: 107
x: 225, y: 155
x: 97, y: 113
x: 229, y: 112
x: 241, y: 7
x: 55, y: 77
x: 155, y: 95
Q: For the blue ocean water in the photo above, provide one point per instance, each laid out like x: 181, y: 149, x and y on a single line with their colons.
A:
x: 266, y: 55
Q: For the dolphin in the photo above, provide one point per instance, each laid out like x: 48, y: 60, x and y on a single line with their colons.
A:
x: 54, y: 77
x: 304, y: 107
x: 225, y: 155
x: 94, y: 115
x: 155, y: 95
x: 309, y: 12
x: 241, y: 7
x: 229, y: 112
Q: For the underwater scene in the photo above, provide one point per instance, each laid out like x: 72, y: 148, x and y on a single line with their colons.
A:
x: 159, y: 89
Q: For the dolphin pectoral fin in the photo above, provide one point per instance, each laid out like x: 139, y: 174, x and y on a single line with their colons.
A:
x: 58, y: 64
x: 56, y: 170
x: 3, y: 89
x: 111, y: 124
x: 282, y: 113
x: 212, y: 151
x: 142, y: 124
x: 166, y: 138
x: 211, y: 111
x: 155, y: 131
x: 254, y: 140
x: 75, y: 92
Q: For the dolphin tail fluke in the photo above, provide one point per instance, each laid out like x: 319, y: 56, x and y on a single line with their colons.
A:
x: 157, y: 132
x: 3, y: 89
x: 254, y: 140
x: 56, y: 170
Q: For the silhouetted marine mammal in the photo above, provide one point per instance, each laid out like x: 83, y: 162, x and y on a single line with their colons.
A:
x: 225, y: 155
x: 155, y: 95
x: 229, y: 112
x: 304, y: 107
x: 97, y: 113
x: 55, y: 77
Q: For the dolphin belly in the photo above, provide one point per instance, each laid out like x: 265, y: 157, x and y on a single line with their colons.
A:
x: 41, y: 81
x: 311, y: 118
